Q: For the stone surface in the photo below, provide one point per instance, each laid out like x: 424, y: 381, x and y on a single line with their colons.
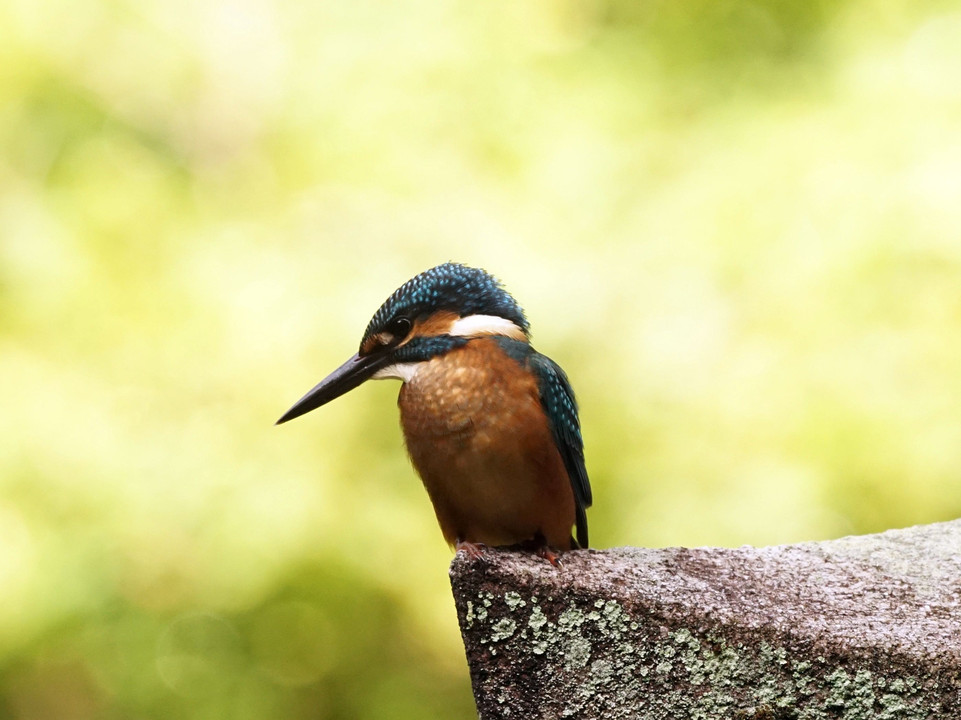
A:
x: 861, y: 627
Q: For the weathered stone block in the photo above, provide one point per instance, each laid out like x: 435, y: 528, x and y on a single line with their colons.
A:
x: 856, y: 628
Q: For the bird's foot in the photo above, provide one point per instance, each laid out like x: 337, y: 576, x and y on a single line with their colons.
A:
x: 538, y: 545
x: 473, y: 550
x: 549, y: 554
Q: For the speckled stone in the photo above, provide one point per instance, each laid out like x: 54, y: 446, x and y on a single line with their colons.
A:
x: 856, y: 628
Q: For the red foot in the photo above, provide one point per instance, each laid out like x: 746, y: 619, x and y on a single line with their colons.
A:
x: 554, y: 558
x: 538, y: 544
x: 473, y: 550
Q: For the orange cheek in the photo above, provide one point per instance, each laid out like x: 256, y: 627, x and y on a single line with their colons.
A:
x: 437, y: 324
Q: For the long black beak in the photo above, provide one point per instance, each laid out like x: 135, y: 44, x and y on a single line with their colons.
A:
x: 344, y: 379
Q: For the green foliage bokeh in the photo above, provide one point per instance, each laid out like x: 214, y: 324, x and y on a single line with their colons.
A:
x: 736, y: 225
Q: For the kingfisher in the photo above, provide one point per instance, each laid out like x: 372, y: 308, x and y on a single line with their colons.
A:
x: 491, y: 425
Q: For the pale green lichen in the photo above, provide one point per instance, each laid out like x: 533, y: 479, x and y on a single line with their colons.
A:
x: 570, y: 618
x: 537, y: 620
x: 502, y: 629
x: 576, y: 653
x: 514, y: 600
x: 602, y: 670
x: 662, y: 671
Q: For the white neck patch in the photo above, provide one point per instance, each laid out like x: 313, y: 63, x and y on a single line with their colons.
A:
x: 476, y: 325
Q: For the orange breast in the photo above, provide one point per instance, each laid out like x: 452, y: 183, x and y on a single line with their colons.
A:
x: 478, y: 437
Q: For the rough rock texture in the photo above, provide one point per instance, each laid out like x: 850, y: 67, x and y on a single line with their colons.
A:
x: 862, y: 627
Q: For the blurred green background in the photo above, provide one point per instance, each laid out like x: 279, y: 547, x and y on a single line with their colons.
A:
x: 737, y: 225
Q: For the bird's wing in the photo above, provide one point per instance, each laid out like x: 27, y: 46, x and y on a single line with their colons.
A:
x: 559, y: 403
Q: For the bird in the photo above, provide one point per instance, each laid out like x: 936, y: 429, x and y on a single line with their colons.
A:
x: 490, y: 424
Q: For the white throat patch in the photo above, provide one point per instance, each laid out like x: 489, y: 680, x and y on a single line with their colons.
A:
x: 401, y: 371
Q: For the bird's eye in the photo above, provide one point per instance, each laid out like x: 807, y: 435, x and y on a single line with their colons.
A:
x: 399, y: 327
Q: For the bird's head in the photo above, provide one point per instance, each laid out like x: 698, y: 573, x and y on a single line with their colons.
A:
x: 429, y: 315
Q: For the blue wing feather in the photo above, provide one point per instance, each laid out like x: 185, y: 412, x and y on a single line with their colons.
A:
x: 560, y: 407
x: 559, y: 403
